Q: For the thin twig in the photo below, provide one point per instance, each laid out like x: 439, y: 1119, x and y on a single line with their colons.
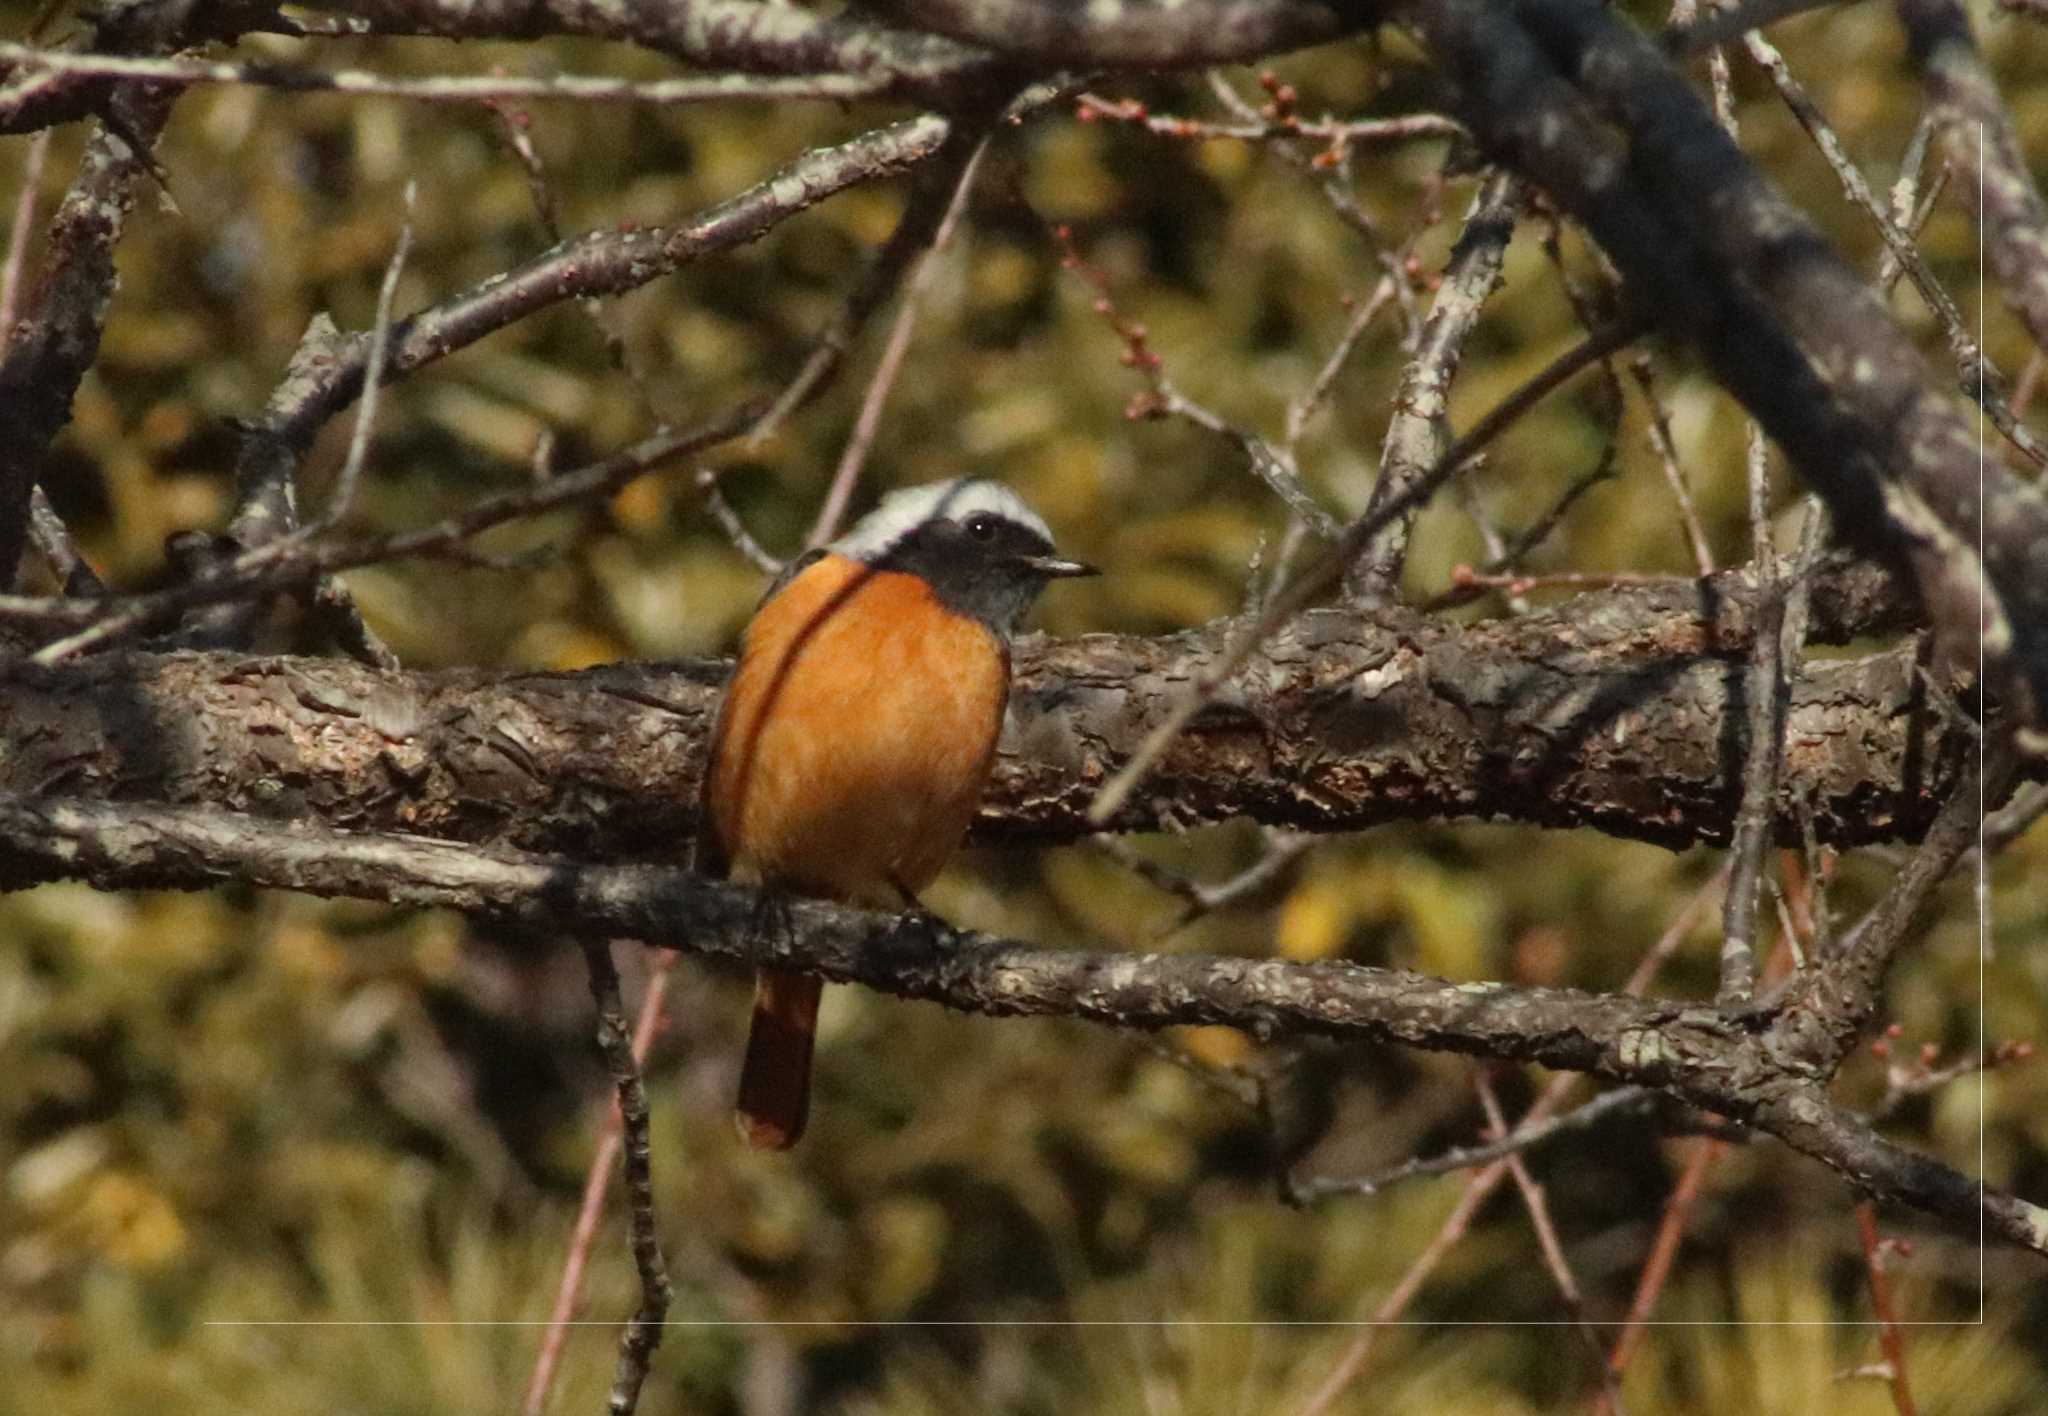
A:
x: 1090, y: 108
x: 1666, y: 448
x: 53, y: 538
x: 1478, y: 1190
x: 1300, y: 410
x: 1725, y: 23
x: 596, y: 1182
x: 1976, y: 128
x: 643, y: 1334
x: 1905, y: 194
x: 1329, y: 167
x: 1328, y: 569
x: 283, y: 563
x: 1283, y: 848
x: 345, y: 484
x: 931, y: 196
x: 1981, y: 380
x: 854, y: 455
x: 449, y: 88
x: 1889, y: 1336
x: 17, y: 239
x: 1419, y: 430
x: 728, y: 519
x: 1526, y: 1136
x: 1766, y: 687
x: 1273, y: 465
x: 1663, y: 1253
x: 515, y: 126
x: 1538, y: 1207
x: 1482, y: 1185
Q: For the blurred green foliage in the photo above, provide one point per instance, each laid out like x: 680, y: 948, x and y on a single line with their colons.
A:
x: 234, y: 1109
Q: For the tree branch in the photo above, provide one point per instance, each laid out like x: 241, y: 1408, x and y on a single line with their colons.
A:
x: 1576, y: 100
x: 1612, y: 710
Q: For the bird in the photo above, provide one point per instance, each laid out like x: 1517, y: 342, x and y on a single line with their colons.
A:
x: 857, y: 731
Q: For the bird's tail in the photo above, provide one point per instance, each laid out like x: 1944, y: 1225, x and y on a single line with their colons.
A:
x: 775, y: 1080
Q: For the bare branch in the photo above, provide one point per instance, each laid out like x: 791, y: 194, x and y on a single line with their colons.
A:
x: 344, y: 493
x: 1530, y: 1134
x: 854, y: 455
x: 446, y: 88
x: 742, y: 36
x: 1977, y: 131
x: 53, y: 539
x: 1605, y: 711
x: 1783, y: 321
x: 1980, y: 379
x: 1133, y: 34
x: 1890, y: 1339
x: 1329, y: 569
x: 1828, y: 1007
x: 1362, y: 132
x: 1708, y: 1057
x: 18, y: 237
x: 1419, y: 430
x: 57, y: 335
x: 643, y: 1334
x: 568, y: 1296
x: 290, y: 562
x: 930, y: 199
x: 728, y: 519
x: 1657, y: 1269
x: 1773, y: 664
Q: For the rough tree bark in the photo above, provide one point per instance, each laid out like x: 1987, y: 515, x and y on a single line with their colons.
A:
x: 1616, y: 711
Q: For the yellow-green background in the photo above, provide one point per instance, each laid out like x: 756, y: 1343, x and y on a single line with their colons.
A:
x: 231, y: 1107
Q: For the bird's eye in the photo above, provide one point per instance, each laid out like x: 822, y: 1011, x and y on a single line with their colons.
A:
x: 981, y: 526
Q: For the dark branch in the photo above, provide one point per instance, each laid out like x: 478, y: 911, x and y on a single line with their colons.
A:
x: 1573, y: 98
x: 1706, y: 1056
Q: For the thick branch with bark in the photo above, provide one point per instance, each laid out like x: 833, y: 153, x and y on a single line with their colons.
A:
x: 1619, y: 710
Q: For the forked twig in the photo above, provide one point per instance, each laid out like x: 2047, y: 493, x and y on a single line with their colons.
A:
x: 1327, y: 570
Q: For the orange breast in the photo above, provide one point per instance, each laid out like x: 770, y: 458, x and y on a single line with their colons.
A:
x: 856, y: 735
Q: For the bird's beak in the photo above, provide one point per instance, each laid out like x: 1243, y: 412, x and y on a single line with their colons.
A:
x: 1053, y: 568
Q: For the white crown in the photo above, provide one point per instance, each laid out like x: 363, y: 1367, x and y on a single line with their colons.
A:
x: 903, y: 511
